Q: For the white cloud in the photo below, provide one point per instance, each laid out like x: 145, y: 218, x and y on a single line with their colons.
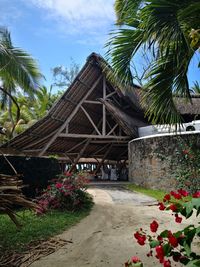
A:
x: 79, y: 16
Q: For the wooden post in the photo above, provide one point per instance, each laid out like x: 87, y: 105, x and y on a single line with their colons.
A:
x: 104, y: 108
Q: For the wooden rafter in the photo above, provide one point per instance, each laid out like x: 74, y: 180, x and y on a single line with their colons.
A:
x: 90, y: 119
x: 112, y: 130
x: 69, y: 118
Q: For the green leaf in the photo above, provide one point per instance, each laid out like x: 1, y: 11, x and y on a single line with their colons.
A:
x: 167, y: 249
x: 189, y: 209
x: 138, y: 264
x: 187, y: 248
x: 164, y: 233
x: 196, y: 203
x: 154, y: 243
x: 193, y: 263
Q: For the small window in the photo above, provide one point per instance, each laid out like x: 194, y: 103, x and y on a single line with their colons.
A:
x: 190, y: 128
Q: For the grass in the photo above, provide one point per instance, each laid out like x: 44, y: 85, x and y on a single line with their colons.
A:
x: 34, y: 228
x: 157, y: 194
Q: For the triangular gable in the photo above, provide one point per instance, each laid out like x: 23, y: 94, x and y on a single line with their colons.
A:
x: 79, y: 124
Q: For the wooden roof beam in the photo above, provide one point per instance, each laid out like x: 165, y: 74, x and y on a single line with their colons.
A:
x: 64, y: 135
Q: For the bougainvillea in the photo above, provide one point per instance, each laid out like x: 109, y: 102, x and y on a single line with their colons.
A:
x: 167, y: 246
x: 68, y: 192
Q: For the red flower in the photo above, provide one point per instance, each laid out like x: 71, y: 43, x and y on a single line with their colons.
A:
x: 161, y: 206
x: 177, y: 196
x: 135, y: 259
x: 160, y: 238
x: 167, y: 263
x: 140, y: 238
x: 178, y: 219
x: 58, y: 185
x: 173, y: 241
x: 169, y: 234
x: 48, y: 187
x: 183, y: 193
x: 160, y: 253
x: 154, y: 226
x: 196, y: 195
x: 167, y: 197
x: 173, y: 207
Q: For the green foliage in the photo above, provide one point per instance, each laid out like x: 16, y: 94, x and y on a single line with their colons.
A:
x: 34, y: 228
x: 169, y: 31
x: 157, y: 194
x: 17, y: 70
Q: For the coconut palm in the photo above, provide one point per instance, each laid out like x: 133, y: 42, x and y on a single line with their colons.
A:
x: 195, y: 89
x: 17, y: 70
x: 169, y: 30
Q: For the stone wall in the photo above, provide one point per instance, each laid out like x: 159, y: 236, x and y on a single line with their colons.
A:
x: 150, y: 160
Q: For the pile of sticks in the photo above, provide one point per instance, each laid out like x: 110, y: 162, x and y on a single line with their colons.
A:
x: 35, y: 251
x: 11, y: 196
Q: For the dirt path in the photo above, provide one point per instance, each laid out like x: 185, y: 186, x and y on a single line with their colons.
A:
x: 105, y: 237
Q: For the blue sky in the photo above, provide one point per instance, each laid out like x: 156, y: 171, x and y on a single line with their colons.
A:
x: 53, y: 31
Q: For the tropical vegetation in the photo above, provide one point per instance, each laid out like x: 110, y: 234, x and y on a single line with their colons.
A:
x: 18, y: 71
x: 169, y: 31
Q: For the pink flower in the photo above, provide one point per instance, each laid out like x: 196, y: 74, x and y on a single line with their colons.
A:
x: 58, y: 185
x: 135, y: 259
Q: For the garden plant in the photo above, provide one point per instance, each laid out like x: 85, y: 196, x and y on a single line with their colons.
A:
x: 68, y: 192
x: 168, y: 246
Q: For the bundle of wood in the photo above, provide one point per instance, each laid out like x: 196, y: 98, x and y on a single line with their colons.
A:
x: 11, y: 196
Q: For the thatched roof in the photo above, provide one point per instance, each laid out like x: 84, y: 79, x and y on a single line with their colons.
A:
x: 79, y: 124
x: 94, y: 118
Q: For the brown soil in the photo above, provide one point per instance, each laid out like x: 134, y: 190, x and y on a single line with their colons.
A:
x: 105, y: 237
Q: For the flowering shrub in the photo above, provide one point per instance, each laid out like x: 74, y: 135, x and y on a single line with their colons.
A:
x: 167, y: 246
x: 68, y: 192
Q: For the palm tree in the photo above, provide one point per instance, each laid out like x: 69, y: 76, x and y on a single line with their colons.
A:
x: 169, y: 30
x: 195, y: 89
x: 17, y: 70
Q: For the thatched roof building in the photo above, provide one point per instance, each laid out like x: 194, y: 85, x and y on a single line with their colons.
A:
x: 93, y: 119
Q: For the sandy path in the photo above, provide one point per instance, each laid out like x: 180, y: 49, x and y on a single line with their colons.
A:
x: 105, y: 237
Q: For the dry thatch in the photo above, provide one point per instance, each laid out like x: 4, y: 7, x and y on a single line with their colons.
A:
x: 94, y: 118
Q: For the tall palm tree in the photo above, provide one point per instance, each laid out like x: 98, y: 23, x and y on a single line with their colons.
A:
x: 17, y: 70
x: 170, y: 31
